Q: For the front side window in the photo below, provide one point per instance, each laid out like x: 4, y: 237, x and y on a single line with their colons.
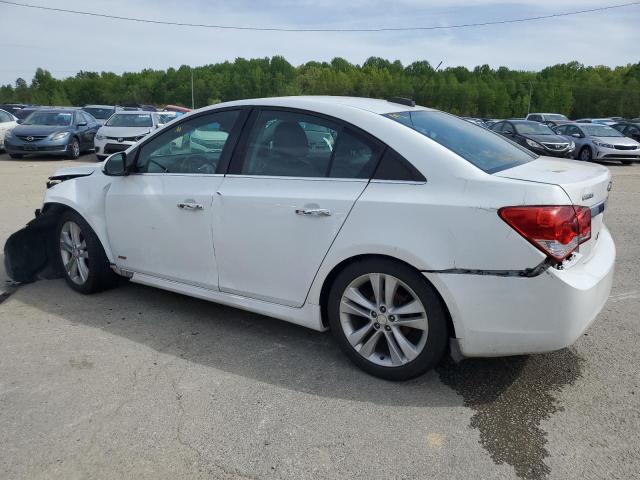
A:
x: 57, y: 119
x: 4, y: 117
x: 483, y: 148
x: 290, y: 144
x: 195, y: 146
x: 130, y: 120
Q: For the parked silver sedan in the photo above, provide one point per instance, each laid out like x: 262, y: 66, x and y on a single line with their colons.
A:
x: 600, y: 142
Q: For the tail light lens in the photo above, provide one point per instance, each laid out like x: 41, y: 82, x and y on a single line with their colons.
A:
x: 556, y: 230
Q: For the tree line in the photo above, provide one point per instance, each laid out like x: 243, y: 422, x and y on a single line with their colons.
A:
x: 572, y: 88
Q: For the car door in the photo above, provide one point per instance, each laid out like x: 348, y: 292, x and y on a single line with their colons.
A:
x: 633, y: 131
x: 159, y: 218
x: 288, y: 192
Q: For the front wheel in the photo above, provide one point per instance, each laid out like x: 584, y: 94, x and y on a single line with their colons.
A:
x: 73, y: 149
x: 387, y: 318
x: 585, y: 154
x: 82, y: 260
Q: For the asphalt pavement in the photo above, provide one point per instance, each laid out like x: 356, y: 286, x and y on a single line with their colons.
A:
x: 141, y: 383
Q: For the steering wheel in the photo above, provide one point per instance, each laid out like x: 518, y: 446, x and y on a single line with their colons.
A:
x: 197, y: 164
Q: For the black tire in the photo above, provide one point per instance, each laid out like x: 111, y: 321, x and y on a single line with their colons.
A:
x: 627, y: 162
x: 437, y: 336
x: 73, y: 149
x: 586, y: 155
x: 100, y: 276
x: 16, y: 156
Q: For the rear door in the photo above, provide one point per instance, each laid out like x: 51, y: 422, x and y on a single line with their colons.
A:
x: 288, y: 192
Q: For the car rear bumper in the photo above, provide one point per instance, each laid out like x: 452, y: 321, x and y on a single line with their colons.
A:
x: 511, y: 315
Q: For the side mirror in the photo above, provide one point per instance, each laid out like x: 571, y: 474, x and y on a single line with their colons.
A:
x: 576, y: 135
x: 19, y: 120
x: 82, y: 124
x: 508, y: 133
x: 116, y: 165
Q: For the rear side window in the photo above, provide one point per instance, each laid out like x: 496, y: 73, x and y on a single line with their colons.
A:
x: 481, y: 147
x: 292, y: 144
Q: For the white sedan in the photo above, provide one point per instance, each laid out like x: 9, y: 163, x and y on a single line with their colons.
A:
x: 123, y: 129
x: 405, y: 230
x: 7, y: 122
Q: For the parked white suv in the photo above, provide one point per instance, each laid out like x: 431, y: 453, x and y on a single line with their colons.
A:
x: 7, y: 122
x: 403, y: 229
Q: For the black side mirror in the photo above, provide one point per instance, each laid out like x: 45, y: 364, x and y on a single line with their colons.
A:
x: 19, y: 121
x: 82, y: 124
x: 116, y: 165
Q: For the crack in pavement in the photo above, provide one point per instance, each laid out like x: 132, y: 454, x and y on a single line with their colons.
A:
x: 510, y: 397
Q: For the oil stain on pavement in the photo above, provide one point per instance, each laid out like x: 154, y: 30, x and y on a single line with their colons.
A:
x: 510, y: 397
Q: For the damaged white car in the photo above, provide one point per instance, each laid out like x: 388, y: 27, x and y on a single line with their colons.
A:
x: 404, y: 230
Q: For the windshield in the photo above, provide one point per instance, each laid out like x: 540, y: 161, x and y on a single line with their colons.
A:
x: 596, y: 130
x: 556, y: 116
x: 533, y: 128
x: 481, y: 147
x: 99, y: 113
x: 58, y: 119
x: 130, y: 120
x: 166, y: 117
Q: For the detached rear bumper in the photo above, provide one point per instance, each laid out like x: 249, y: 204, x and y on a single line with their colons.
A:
x: 496, y: 316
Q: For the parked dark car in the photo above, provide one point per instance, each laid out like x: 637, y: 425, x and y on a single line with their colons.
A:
x: 535, y: 136
x: 12, y: 108
x: 100, y: 112
x: 52, y: 132
x: 23, y: 113
x: 629, y: 129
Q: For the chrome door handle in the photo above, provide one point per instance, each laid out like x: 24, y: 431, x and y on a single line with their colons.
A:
x: 313, y: 212
x: 190, y: 206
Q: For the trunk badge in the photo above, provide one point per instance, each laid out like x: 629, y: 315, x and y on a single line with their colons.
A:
x: 587, y: 196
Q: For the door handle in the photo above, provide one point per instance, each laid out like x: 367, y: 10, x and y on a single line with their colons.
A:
x: 313, y: 212
x: 190, y: 206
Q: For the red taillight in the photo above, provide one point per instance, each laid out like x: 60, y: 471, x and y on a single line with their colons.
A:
x: 556, y: 230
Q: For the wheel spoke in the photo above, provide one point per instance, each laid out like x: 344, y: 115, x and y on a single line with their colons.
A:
x: 369, y: 346
x: 347, y: 307
x: 394, y: 350
x: 405, y: 345
x: 412, y: 308
x: 356, y: 337
x: 83, y: 270
x: 419, y: 323
x: 65, y: 241
x: 378, y: 287
x: 75, y: 233
x: 390, y: 287
x: 72, y: 268
x: 356, y: 297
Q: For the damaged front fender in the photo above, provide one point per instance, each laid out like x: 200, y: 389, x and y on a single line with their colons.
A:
x: 30, y: 253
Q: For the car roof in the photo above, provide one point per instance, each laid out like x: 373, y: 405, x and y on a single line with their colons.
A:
x: 98, y: 106
x: 132, y: 112
x: 320, y: 102
x: 517, y: 121
x: 54, y: 110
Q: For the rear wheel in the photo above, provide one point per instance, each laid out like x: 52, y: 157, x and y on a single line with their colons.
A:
x: 17, y: 156
x: 81, y: 257
x: 387, y: 318
x: 73, y: 149
x: 585, y: 154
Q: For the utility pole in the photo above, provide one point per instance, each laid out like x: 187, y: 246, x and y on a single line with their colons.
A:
x: 192, y: 97
x: 530, y: 92
x: 436, y: 69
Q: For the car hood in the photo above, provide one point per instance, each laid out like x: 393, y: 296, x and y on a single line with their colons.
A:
x: 124, y: 131
x: 39, y: 129
x: 616, y: 140
x: 546, y: 138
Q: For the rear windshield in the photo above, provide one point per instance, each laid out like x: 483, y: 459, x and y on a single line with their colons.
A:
x: 129, y: 120
x: 481, y: 147
x: 99, y: 113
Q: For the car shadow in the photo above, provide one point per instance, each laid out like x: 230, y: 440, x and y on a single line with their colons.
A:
x: 255, y: 346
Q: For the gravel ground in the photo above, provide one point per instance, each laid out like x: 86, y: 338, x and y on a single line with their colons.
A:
x: 137, y: 382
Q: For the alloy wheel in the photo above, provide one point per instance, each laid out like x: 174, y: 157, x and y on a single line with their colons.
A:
x: 74, y: 253
x: 383, y: 319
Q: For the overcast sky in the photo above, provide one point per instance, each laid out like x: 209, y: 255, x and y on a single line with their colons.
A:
x: 65, y: 43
